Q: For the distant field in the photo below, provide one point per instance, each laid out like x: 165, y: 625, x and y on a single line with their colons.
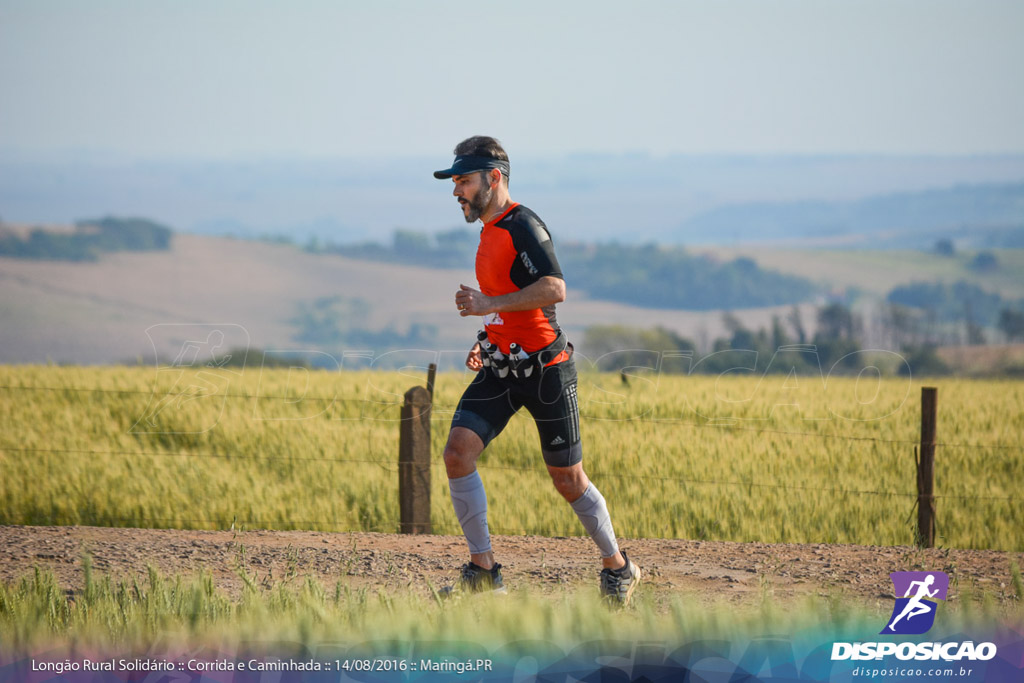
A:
x: 993, y: 360
x: 878, y: 271
x: 726, y: 458
x: 100, y: 312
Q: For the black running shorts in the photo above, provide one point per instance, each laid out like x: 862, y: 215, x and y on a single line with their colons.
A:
x: 549, y: 394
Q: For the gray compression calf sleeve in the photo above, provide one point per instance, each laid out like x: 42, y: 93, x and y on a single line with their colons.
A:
x: 470, y: 503
x: 593, y: 512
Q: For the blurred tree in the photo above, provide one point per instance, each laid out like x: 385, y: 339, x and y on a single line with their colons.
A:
x: 1011, y: 323
x: 985, y: 262
x: 975, y: 333
x: 796, y: 320
x: 944, y: 247
x: 613, y: 347
x: 949, y: 302
x: 835, y: 321
x: 779, y: 336
x: 923, y: 360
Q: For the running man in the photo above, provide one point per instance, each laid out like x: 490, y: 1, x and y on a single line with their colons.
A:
x: 915, y: 606
x: 520, y: 283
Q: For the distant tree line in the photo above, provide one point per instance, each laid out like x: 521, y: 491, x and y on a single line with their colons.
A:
x: 89, y: 239
x: 949, y: 302
x: 449, y: 249
x: 943, y: 313
x: 784, y: 348
x: 649, y: 275
x: 340, y: 322
x: 670, y: 277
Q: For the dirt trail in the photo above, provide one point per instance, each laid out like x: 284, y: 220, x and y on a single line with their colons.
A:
x: 706, y: 569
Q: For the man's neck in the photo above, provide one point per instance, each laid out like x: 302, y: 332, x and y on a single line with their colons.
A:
x: 498, y: 205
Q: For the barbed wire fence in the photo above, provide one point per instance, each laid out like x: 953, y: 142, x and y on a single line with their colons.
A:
x: 709, y: 424
x: 393, y: 525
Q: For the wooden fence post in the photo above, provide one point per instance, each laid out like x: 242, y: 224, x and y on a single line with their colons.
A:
x: 926, y: 469
x: 431, y: 376
x: 414, y: 463
x: 414, y: 458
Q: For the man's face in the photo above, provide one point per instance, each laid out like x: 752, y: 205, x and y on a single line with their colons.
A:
x: 474, y: 194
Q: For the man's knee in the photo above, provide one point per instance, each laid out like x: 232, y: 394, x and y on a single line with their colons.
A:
x: 461, y: 452
x: 570, y: 482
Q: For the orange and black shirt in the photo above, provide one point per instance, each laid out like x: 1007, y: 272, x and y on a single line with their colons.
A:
x: 515, y: 251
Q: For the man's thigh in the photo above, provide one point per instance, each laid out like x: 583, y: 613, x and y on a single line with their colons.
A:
x: 554, y: 407
x: 486, y: 406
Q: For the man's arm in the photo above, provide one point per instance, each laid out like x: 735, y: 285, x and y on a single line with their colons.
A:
x: 547, y: 291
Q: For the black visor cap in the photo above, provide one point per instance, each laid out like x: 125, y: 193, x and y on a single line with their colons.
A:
x: 470, y: 163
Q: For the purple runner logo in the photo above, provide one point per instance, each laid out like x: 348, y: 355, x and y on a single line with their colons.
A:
x: 914, y: 612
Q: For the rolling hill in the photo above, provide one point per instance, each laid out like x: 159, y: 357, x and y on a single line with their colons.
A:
x: 99, y: 312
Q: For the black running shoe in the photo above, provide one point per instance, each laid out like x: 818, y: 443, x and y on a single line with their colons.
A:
x: 617, y: 585
x: 475, y: 579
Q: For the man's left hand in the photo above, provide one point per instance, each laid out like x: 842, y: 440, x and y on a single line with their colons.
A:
x: 472, y: 302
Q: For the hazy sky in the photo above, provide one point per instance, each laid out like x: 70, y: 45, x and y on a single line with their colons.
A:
x: 250, y: 79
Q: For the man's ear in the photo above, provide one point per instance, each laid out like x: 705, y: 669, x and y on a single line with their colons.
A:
x: 495, y: 177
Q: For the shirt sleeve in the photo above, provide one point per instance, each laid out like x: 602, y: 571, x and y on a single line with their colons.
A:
x: 535, y: 252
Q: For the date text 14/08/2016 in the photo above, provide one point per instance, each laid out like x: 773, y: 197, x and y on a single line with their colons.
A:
x: 447, y: 666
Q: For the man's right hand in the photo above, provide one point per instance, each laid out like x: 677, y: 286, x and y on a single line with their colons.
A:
x: 475, y: 361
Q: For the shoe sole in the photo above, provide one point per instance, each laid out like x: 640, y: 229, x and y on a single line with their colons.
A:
x: 451, y: 591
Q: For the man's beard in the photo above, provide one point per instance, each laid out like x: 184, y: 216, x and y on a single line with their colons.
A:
x: 478, y: 204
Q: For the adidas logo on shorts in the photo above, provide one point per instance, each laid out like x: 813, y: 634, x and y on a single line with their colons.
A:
x: 558, y: 441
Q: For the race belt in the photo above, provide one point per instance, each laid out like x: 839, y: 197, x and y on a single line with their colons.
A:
x: 519, y: 363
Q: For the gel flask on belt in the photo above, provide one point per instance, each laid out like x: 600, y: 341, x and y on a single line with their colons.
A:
x: 485, y: 347
x: 500, y: 362
x: 519, y: 357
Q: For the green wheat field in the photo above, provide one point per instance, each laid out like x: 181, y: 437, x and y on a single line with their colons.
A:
x: 729, y: 458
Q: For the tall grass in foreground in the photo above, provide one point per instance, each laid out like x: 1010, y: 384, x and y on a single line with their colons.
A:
x: 719, y: 458
x: 135, y: 612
